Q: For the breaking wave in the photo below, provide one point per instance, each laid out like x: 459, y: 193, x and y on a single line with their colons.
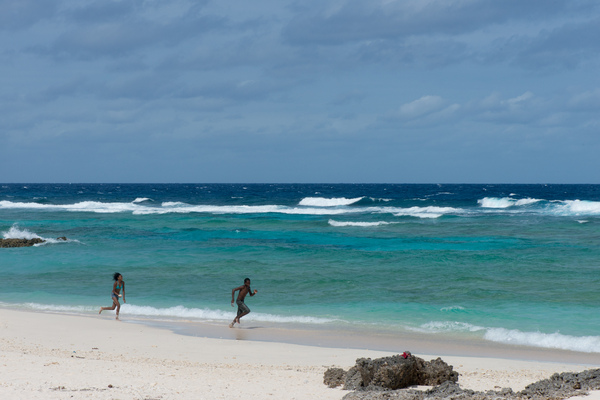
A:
x: 141, y: 199
x: 553, y: 208
x: 427, y: 212
x: 17, y: 233
x: 326, y: 206
x: 361, y: 224
x: 319, y: 207
x: 505, y: 202
x: 324, y: 202
x: 585, y: 344
x: 181, y: 312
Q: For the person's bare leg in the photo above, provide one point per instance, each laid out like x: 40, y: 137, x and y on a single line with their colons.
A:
x: 107, y: 308
x: 240, y: 316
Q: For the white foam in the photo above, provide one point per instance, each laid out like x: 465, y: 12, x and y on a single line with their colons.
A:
x: 586, y: 344
x: 325, y: 207
x: 448, y: 326
x: 359, y: 224
x: 553, y: 207
x: 59, y: 308
x: 527, y: 201
x: 322, y: 206
x: 505, y: 202
x: 579, y: 207
x: 181, y: 312
x: 177, y: 312
x: 99, y: 207
x: 426, y: 212
x: 16, y: 233
x: 494, y: 202
x: 324, y: 202
x: 242, y: 209
x: 208, y: 314
x: 167, y: 204
x: 291, y: 319
x: 10, y: 205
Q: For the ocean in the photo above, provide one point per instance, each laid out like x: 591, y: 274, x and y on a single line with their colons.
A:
x: 517, y: 264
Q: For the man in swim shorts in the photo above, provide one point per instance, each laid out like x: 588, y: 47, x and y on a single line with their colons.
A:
x: 242, y: 307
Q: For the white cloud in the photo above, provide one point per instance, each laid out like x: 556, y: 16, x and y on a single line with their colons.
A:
x: 422, y: 106
x: 430, y: 107
x: 520, y: 99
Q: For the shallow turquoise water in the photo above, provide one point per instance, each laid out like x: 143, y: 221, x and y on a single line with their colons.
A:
x: 507, y: 263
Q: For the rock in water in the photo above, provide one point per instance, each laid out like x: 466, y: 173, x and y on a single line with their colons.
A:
x: 19, y: 242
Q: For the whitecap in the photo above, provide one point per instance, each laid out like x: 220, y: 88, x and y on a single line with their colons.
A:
x: 326, y: 202
x: 426, y: 212
x: 527, y: 201
x: 505, y: 202
x: 358, y: 224
x: 579, y: 207
x: 494, y: 202
x: 141, y: 200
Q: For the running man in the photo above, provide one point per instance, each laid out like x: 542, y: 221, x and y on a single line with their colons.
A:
x: 242, y: 307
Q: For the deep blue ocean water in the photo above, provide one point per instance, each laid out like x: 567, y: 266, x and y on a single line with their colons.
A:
x: 513, y: 264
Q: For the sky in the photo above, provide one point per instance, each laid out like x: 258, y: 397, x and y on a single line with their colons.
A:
x: 307, y: 91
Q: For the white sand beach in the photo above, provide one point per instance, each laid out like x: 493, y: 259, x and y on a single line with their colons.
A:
x: 55, y: 356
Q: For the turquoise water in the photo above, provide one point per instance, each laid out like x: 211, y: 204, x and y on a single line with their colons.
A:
x: 506, y: 263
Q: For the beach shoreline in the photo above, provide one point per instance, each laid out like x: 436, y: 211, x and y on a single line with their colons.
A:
x: 53, y: 356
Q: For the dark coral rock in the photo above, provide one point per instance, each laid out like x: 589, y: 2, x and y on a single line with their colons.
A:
x: 396, y: 372
x: 334, y: 377
x: 19, y: 242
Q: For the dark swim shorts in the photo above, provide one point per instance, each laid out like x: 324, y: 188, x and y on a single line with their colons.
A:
x: 242, y: 307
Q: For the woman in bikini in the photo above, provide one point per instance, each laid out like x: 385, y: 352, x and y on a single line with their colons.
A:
x: 116, y: 293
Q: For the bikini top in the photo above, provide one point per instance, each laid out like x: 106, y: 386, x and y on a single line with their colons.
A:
x: 118, y: 287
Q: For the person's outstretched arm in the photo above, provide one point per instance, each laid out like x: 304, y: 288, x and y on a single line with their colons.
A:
x: 233, y: 294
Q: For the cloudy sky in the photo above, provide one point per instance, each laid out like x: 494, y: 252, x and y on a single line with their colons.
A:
x: 406, y: 91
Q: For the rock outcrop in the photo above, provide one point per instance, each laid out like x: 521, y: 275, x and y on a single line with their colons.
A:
x: 391, y: 373
x: 381, y: 379
x: 25, y: 242
x: 19, y: 242
x: 562, y: 386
